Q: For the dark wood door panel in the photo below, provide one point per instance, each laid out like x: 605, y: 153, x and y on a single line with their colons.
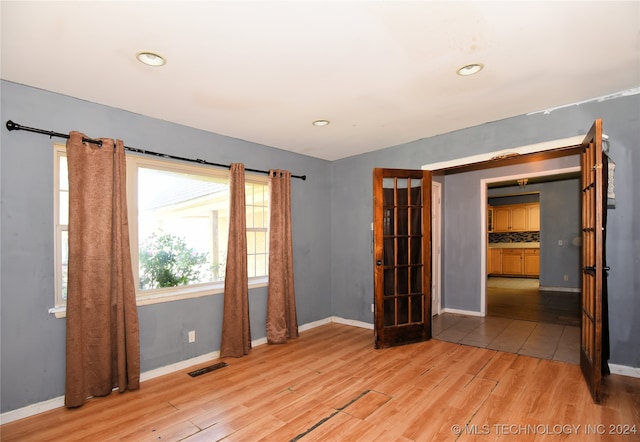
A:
x: 402, y: 256
x: 594, y: 180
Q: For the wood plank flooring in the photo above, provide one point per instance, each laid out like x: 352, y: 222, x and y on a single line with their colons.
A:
x: 332, y: 385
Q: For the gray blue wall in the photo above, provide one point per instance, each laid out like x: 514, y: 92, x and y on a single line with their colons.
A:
x: 32, y: 340
x: 332, y: 214
x: 560, y: 220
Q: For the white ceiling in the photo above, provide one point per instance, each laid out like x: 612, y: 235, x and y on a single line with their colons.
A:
x: 383, y: 73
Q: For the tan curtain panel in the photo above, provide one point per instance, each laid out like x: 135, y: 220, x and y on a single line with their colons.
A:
x: 103, y: 346
x: 282, y: 322
x: 236, y: 331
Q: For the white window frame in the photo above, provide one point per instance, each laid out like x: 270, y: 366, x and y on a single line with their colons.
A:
x: 150, y: 296
x: 59, y: 150
x: 255, y: 230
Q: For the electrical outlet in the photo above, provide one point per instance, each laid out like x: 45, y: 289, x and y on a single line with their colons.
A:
x: 192, y: 336
x: 566, y: 277
x: 372, y: 306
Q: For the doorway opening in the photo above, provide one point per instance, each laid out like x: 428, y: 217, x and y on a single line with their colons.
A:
x: 513, y: 250
x: 547, y: 244
x: 521, y: 314
x: 593, y: 345
x: 530, y: 284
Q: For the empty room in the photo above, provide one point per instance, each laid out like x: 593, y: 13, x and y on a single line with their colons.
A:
x: 339, y: 221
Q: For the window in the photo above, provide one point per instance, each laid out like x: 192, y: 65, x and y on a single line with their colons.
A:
x: 179, y: 236
x: 61, y: 217
x: 257, y: 232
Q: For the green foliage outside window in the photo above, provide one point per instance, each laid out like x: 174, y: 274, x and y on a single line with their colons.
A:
x: 167, y: 261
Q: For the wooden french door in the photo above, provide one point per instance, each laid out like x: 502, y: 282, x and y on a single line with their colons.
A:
x: 594, y: 271
x: 402, y: 256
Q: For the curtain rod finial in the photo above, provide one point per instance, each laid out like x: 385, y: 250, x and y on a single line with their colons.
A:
x: 11, y: 125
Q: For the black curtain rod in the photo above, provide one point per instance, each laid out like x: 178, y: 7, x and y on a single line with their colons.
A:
x: 15, y: 126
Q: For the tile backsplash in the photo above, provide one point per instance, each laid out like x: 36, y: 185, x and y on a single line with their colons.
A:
x: 514, y: 237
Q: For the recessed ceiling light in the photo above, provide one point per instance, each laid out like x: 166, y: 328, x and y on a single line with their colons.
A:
x: 470, y: 69
x: 320, y: 122
x: 150, y: 58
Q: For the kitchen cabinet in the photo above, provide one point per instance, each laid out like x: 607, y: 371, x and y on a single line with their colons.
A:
x: 532, y: 262
x: 519, y: 222
x: 533, y: 217
x: 494, y: 266
x: 501, y: 218
x: 513, y: 261
x: 516, y: 218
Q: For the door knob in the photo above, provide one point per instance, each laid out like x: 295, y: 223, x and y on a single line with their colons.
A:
x: 379, y: 262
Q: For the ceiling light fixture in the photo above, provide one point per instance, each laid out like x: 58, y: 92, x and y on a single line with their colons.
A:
x: 150, y: 58
x: 320, y: 122
x: 470, y: 69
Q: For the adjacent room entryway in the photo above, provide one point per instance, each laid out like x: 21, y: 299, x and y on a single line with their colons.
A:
x: 529, y: 338
x: 521, y: 319
x: 541, y: 339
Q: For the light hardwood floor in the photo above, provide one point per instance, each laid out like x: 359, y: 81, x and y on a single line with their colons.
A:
x: 332, y: 385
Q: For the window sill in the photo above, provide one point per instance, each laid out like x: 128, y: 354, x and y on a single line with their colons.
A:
x: 59, y: 311
x: 163, y: 295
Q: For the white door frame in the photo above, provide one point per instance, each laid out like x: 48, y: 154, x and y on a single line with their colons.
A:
x: 436, y: 248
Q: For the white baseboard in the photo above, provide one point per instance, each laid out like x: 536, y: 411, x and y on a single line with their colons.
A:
x: 461, y: 312
x: 623, y: 370
x: 310, y: 325
x: 337, y: 320
x: 547, y: 288
x: 258, y: 342
x: 361, y: 324
x: 41, y: 407
x: 31, y: 410
x: 161, y: 371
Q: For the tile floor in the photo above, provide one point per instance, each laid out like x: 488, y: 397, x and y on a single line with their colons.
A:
x: 537, y: 339
x: 522, y: 319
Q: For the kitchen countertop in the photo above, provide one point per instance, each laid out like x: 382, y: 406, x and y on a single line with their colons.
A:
x: 514, y: 245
